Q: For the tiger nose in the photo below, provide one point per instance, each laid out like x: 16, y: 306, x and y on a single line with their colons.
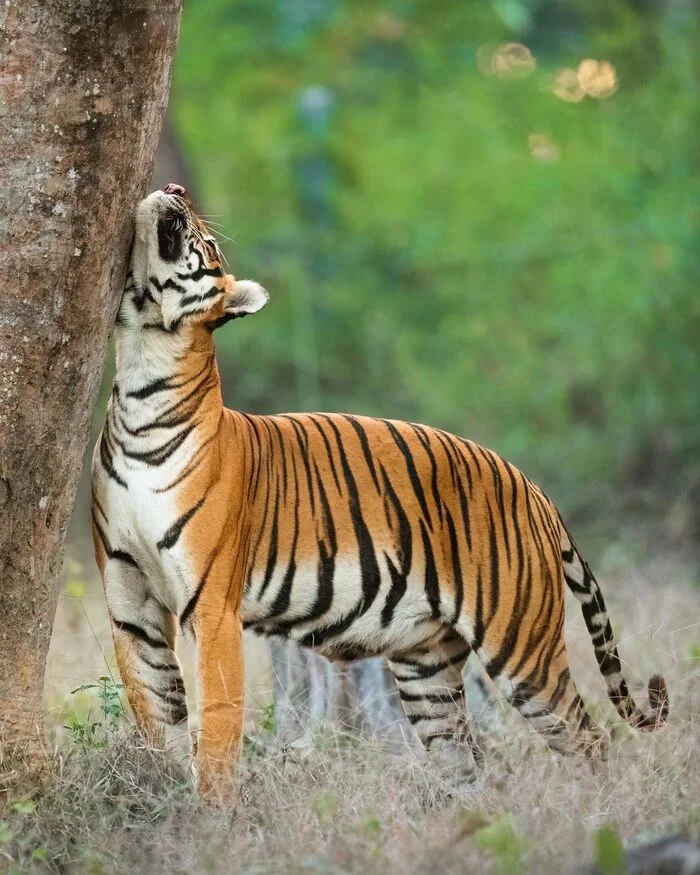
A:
x: 174, y: 188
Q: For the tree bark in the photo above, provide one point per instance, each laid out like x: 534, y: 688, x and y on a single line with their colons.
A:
x: 83, y: 90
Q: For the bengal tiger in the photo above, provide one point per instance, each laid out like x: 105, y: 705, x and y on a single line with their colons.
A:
x: 351, y: 535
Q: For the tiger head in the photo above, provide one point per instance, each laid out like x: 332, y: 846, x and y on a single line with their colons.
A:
x: 176, y: 276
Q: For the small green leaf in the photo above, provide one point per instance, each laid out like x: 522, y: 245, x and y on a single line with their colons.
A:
x: 75, y: 588
x: 610, y: 854
x: 502, y: 840
x: 371, y: 823
x: 23, y: 806
x: 324, y: 807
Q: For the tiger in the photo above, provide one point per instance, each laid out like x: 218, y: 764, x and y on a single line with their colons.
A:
x: 351, y: 535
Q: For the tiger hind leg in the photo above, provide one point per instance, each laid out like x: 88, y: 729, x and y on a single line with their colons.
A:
x: 553, y: 706
x: 431, y: 688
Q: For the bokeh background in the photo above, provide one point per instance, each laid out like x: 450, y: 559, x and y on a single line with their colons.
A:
x: 479, y: 214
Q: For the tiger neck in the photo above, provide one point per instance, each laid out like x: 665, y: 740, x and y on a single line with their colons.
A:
x: 159, y: 372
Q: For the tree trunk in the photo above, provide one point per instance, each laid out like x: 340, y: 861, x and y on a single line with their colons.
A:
x: 83, y: 90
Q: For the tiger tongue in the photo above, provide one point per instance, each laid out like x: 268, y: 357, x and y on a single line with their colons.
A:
x: 174, y: 188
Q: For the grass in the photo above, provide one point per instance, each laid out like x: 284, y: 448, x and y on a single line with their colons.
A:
x: 348, y: 804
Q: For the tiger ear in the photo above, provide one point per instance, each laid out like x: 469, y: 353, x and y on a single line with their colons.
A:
x: 243, y: 297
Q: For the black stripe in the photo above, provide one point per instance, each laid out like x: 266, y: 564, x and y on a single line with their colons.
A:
x: 201, y: 271
x: 160, y: 666
x: 283, y: 598
x: 534, y: 528
x: 432, y: 588
x: 329, y: 452
x: 193, y: 464
x: 469, y: 446
x: 160, y: 385
x: 106, y: 459
x: 411, y: 468
x: 170, y: 538
x: 364, y: 443
x: 498, y: 483
x: 425, y: 442
x: 447, y: 697
x: 171, y: 697
x: 96, y: 503
x: 326, y: 560
x: 509, y: 637
x: 205, y: 296
x: 419, y: 718
x: 396, y: 592
x: 256, y: 456
x: 559, y: 690
x: 522, y: 694
x: 164, y: 383
x: 456, y: 566
x: 448, y: 455
x: 303, y: 441
x: 272, y: 555
x: 404, y: 552
x: 428, y: 671
x: 479, y: 630
x: 464, y: 510
x: 123, y: 556
x: 261, y: 532
x: 494, y: 568
x: 156, y: 457
x: 139, y: 633
x: 168, y: 284
x: 192, y: 603
x: 283, y: 455
x: 530, y: 644
x: 119, y: 555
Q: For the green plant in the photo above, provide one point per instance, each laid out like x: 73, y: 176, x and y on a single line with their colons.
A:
x: 268, y: 723
x: 88, y: 732
x: 504, y: 843
x: 325, y: 806
x: 257, y: 742
x: 610, y: 854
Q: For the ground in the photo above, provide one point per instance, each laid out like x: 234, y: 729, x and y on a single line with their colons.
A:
x: 337, y: 803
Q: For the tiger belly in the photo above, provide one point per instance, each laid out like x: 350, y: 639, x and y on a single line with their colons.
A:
x: 336, y: 618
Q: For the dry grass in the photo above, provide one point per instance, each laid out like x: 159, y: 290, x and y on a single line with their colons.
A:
x: 346, y: 805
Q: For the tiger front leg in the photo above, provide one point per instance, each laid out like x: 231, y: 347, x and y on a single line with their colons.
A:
x: 144, y: 642
x: 220, y: 692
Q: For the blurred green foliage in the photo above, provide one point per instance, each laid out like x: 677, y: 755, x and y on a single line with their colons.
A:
x: 448, y: 246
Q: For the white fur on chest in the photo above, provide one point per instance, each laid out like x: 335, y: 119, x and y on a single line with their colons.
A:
x: 137, y: 519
